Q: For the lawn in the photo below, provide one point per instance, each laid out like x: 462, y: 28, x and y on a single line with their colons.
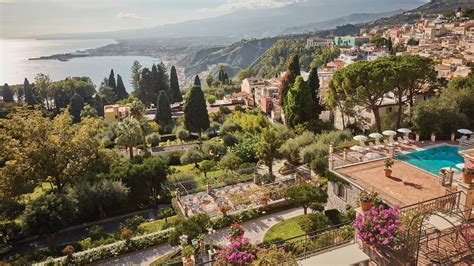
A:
x: 198, y: 176
x: 155, y: 226
x: 285, y: 229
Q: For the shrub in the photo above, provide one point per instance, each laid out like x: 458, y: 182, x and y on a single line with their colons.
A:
x: 174, y: 158
x: 230, y: 161
x: 379, y: 226
x: 313, y: 222
x: 333, y: 215
x: 10, y: 209
x: 191, y: 227
x: 192, y: 156
x: 230, y: 140
x: 320, y: 165
x: 246, y: 150
x: 95, y: 232
x: 182, y: 134
x: 132, y: 223
x: 153, y: 139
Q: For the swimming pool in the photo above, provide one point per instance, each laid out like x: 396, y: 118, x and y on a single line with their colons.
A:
x: 433, y: 159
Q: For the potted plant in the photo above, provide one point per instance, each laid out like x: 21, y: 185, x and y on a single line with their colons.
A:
x: 188, y: 255
x: 235, y: 230
x: 367, y: 200
x: 467, y: 175
x: 388, y: 163
x: 224, y: 208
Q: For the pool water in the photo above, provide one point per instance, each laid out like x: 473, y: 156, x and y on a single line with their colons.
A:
x: 433, y: 159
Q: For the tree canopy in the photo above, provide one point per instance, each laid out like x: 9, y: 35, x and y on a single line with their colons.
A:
x: 163, y: 110
x: 196, y: 118
x: 299, y: 104
x: 175, y: 93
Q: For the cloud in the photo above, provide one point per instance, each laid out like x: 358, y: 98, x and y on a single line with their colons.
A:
x: 130, y: 16
x: 235, y: 5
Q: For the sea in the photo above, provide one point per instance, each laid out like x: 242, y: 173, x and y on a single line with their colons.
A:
x: 15, y: 66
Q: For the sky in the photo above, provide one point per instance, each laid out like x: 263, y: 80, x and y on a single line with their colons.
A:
x: 20, y: 18
x: 23, y: 18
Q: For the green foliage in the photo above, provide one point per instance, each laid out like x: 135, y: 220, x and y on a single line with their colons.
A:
x: 98, y: 199
x: 29, y: 96
x: 320, y: 165
x: 132, y: 223
x: 379, y: 41
x: 197, y: 81
x: 48, y: 214
x: 182, y: 134
x: 268, y: 147
x: 230, y: 140
x: 196, y: 118
x: 163, y: 110
x: 129, y: 135
x: 88, y: 111
x: 75, y: 107
x: 304, y: 194
x: 313, y: 222
x: 250, y: 123
x: 95, y: 232
x: 230, y: 161
x: 175, y: 93
x: 313, y: 84
x: 291, y: 148
x: 211, y: 99
x: 192, y: 227
x: 153, y: 139
x: 111, y: 80
x: 246, y: 149
x: 7, y: 94
x: 10, y: 209
x: 120, y: 92
x: 214, y: 149
x: 192, y: 156
x: 207, y: 166
x: 174, y: 158
x: 299, y: 104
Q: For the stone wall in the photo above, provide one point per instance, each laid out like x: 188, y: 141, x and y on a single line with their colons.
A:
x: 350, y: 196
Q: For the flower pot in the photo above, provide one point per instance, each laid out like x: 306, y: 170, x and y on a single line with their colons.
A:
x: 189, y: 261
x: 467, y: 178
x: 388, y: 172
x: 366, y: 205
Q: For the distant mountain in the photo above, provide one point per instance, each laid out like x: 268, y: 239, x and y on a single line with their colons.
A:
x: 434, y: 7
x: 333, y: 23
x: 257, y: 22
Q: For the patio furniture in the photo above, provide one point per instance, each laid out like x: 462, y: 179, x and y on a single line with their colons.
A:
x: 408, y: 139
x: 402, y: 140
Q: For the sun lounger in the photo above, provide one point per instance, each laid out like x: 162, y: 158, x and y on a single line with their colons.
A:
x: 462, y: 139
x: 402, y: 140
x: 408, y: 139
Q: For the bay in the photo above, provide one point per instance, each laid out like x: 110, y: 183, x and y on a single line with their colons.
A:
x: 15, y: 66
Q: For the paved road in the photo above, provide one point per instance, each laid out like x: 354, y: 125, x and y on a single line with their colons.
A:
x: 255, y: 230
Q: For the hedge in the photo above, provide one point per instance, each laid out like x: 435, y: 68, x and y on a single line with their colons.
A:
x: 112, y: 250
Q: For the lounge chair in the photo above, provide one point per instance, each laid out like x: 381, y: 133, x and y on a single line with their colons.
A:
x: 408, y: 139
x: 372, y: 146
x: 402, y: 140
x: 388, y: 143
x: 462, y: 139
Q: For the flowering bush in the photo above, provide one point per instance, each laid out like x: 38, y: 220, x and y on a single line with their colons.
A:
x: 238, y: 252
x: 379, y: 226
x: 235, y: 230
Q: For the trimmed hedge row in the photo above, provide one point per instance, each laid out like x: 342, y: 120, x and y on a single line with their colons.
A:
x: 111, y: 250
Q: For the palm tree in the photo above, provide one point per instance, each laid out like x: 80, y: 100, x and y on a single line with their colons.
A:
x: 137, y: 112
x: 128, y: 134
x: 267, y: 147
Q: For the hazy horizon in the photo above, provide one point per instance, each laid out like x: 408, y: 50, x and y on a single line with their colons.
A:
x: 28, y: 18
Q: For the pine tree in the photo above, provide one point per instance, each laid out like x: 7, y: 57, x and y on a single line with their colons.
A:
x: 7, y: 94
x: 29, y: 96
x: 197, y: 81
x: 196, y: 118
x: 75, y: 107
x: 163, y: 110
x: 313, y: 82
x: 299, y: 105
x: 221, y: 74
x: 175, y: 93
x: 121, y: 92
x: 111, y: 80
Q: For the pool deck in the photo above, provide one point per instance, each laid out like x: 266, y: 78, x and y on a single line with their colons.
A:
x: 408, y: 184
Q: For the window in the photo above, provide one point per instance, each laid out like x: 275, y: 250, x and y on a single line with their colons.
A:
x: 340, y: 190
x: 389, y: 109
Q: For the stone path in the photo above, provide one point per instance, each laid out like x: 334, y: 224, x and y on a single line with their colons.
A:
x: 255, y: 230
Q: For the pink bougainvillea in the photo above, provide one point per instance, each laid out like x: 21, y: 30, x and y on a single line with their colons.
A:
x: 238, y: 252
x: 379, y: 226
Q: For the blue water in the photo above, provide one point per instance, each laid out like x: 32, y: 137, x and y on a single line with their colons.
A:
x: 433, y: 159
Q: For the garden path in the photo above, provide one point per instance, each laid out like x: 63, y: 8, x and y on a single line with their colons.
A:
x: 254, y: 229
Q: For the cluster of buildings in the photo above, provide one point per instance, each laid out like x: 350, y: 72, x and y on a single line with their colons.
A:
x: 449, y: 42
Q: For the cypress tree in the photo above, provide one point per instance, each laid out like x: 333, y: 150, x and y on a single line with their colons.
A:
x: 121, y: 92
x: 196, y: 118
x: 197, y: 81
x: 136, y: 68
x: 226, y: 78
x: 299, y: 105
x: 175, y: 93
x: 163, y: 110
x: 7, y: 94
x: 294, y: 69
x: 75, y: 107
x: 313, y: 82
x: 221, y: 74
x: 146, y: 93
x: 390, y: 45
x: 112, y: 83
x: 288, y: 78
x: 29, y: 96
x: 162, y: 79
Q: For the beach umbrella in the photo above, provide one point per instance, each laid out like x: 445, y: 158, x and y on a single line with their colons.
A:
x: 357, y: 148
x: 375, y: 135
x: 404, y: 130
x: 389, y: 133
x: 373, y: 155
x: 465, y: 131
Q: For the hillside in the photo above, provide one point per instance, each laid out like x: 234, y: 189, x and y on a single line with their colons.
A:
x: 432, y: 8
x: 235, y: 57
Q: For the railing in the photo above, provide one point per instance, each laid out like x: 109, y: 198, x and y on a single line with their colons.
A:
x: 448, y: 203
